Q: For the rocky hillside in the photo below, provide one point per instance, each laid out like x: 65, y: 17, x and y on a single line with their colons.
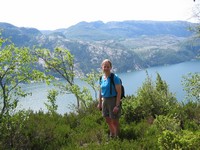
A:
x: 131, y: 45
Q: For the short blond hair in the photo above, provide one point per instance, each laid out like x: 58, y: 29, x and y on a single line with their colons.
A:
x: 106, y: 60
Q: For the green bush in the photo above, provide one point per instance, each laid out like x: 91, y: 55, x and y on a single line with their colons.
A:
x: 188, y: 114
x: 191, y: 125
x: 11, y: 129
x: 143, y: 133
x: 132, y: 110
x: 152, y: 99
x: 46, y: 131
x: 186, y: 140
x: 167, y: 123
x: 192, y: 111
x: 134, y: 130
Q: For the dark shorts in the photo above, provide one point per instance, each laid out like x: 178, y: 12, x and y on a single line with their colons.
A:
x: 108, y: 106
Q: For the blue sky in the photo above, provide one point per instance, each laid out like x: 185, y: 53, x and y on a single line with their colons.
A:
x: 54, y: 14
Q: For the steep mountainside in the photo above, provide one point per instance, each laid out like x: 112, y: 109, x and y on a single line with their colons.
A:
x: 131, y: 45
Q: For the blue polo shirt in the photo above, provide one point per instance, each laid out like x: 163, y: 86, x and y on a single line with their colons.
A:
x: 105, y: 86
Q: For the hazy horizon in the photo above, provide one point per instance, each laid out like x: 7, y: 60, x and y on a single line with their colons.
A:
x: 56, y: 14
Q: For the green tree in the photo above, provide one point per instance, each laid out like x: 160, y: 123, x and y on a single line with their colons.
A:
x: 161, y: 86
x: 156, y: 98
x: 153, y: 99
x: 61, y: 62
x: 16, y: 68
x: 51, y: 106
x: 191, y: 83
x: 92, y: 79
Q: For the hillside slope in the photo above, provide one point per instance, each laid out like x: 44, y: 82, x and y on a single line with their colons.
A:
x: 131, y: 45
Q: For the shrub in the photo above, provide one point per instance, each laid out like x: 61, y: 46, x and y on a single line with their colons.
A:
x: 183, y: 140
x: 151, y: 100
x: 46, y: 131
x: 132, y: 110
x: 11, y: 129
x: 167, y: 123
x: 192, y: 112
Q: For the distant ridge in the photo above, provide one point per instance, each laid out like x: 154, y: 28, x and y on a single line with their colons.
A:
x: 127, y: 29
x: 131, y: 45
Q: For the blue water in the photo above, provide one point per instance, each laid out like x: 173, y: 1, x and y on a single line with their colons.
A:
x: 172, y: 74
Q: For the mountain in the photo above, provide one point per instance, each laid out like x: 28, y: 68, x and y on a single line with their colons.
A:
x: 131, y: 45
x: 126, y: 29
x: 20, y: 36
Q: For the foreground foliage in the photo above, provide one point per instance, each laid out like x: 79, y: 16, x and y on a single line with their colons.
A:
x: 87, y: 130
x: 150, y: 120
